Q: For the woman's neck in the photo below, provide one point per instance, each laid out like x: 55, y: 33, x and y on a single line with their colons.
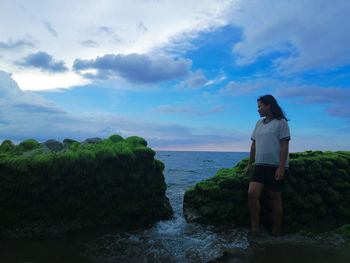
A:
x: 268, y: 118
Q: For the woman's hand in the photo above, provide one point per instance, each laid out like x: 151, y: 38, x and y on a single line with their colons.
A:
x: 249, y: 169
x: 279, y: 174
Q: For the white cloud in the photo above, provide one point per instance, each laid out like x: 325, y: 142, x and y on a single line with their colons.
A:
x: 141, y: 27
x: 313, y: 34
x: 15, y: 45
x: 189, y: 110
x: 51, y: 29
x: 23, y: 113
x: 194, y: 81
x: 36, y: 80
x: 44, y: 62
x: 197, y: 80
x: 216, y: 80
x: 134, y: 67
x: 315, y: 94
x: 236, y: 89
x: 339, y: 110
x: 337, y: 99
x: 11, y: 93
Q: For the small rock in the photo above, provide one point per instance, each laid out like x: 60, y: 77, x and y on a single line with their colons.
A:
x: 53, y: 145
x: 93, y: 140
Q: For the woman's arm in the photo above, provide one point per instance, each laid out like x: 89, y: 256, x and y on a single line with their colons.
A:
x: 251, y: 157
x: 283, y: 158
x: 252, y: 153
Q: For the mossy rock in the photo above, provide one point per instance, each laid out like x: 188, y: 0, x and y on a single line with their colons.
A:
x: 116, y: 138
x: 68, y: 141
x: 110, y: 181
x: 7, y: 146
x: 135, y: 141
x: 28, y: 145
x: 344, y: 231
x: 316, y: 197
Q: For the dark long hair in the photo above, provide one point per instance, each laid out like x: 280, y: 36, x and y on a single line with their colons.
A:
x: 277, y: 112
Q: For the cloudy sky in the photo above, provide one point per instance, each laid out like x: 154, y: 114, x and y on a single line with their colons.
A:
x: 183, y: 74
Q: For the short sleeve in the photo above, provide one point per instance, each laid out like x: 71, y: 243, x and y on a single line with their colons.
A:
x: 253, y: 137
x: 284, y: 131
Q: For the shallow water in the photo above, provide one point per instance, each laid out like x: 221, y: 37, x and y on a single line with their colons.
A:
x: 175, y: 240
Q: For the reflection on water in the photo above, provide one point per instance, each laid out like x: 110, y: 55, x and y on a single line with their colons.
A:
x: 175, y: 240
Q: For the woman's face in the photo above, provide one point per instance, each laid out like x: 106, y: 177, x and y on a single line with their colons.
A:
x: 263, y: 109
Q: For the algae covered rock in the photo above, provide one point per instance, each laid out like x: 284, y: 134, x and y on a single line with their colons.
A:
x: 68, y: 141
x: 111, y: 181
x: 316, y: 197
x: 28, y: 145
x: 6, y: 146
x: 344, y: 231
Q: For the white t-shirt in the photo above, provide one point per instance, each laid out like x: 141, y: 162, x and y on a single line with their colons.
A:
x: 267, y: 137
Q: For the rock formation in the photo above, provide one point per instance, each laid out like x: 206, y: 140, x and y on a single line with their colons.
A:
x: 316, y: 197
x: 100, y: 181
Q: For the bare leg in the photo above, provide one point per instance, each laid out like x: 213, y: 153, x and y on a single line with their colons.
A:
x: 254, y: 192
x: 277, y: 212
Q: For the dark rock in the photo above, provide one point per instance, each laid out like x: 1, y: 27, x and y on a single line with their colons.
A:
x: 53, y: 145
x: 93, y: 140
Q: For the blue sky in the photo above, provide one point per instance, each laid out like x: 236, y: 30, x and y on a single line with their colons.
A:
x: 185, y: 75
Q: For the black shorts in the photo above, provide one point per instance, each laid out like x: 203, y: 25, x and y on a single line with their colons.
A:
x: 266, y: 176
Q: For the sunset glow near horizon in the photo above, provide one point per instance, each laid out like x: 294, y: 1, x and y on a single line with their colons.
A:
x: 184, y: 75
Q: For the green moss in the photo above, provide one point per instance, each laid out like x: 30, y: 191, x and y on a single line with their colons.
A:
x: 116, y: 138
x: 144, y: 152
x: 135, y: 140
x: 328, y: 164
x: 74, y: 146
x: 208, y: 210
x: 316, y: 199
x: 16, y: 163
x: 189, y: 190
x: 124, y: 151
x: 208, y: 189
x: 158, y: 165
x: 28, y: 145
x: 7, y: 146
x: 342, y: 162
x: 344, y: 231
x: 68, y: 141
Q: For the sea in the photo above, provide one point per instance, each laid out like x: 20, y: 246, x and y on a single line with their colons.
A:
x: 175, y: 240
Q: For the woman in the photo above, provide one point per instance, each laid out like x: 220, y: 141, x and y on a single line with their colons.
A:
x: 269, y: 149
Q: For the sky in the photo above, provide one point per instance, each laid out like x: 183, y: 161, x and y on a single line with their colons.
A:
x: 184, y: 74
